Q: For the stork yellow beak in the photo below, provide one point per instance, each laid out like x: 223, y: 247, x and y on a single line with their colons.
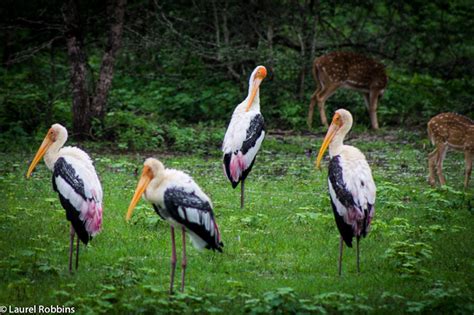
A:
x: 333, y: 128
x: 47, y: 142
x: 256, y: 84
x: 143, y: 183
x: 255, y: 87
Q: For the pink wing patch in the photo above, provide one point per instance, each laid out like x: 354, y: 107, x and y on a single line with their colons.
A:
x: 91, y: 214
x: 216, y: 227
x: 237, y: 166
x: 355, y: 218
x: 371, y: 216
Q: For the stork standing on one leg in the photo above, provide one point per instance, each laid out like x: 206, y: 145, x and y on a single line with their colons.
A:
x: 245, y: 134
x: 177, y: 199
x: 351, y: 186
x: 77, y: 185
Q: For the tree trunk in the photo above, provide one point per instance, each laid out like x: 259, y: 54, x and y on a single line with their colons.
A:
x: 307, y: 40
x: 7, y: 48
x: 81, y: 114
x: 52, y: 86
x: 116, y: 10
x: 302, y: 74
x: 85, y: 105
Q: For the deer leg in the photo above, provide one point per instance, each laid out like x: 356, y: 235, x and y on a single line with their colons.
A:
x: 442, y: 149
x: 322, y: 96
x: 322, y: 113
x: 367, y: 100
x: 468, y: 160
x: 314, y: 99
x: 374, y: 97
x: 432, y: 161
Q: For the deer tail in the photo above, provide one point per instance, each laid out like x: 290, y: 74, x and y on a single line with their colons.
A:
x: 430, y: 134
x: 315, y: 73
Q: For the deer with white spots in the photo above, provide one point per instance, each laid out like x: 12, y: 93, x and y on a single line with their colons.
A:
x: 450, y: 130
x: 344, y: 69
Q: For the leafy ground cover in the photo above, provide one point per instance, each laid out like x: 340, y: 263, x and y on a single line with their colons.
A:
x: 280, y: 252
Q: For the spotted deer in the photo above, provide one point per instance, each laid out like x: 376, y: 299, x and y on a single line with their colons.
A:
x: 450, y: 130
x: 344, y: 69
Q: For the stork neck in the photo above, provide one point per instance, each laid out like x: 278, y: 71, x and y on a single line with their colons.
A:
x: 153, y: 186
x: 243, y: 106
x: 156, y: 182
x: 255, y: 103
x: 52, y: 155
x: 335, y: 147
x: 250, y: 89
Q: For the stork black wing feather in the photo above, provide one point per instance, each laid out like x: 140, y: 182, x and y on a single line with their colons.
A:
x: 227, y: 159
x: 256, y: 127
x: 335, y: 177
x: 178, y: 199
x: 344, y: 229
x: 68, y: 174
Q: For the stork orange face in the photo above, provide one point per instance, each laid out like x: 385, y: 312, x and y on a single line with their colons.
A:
x: 336, y: 124
x: 259, y: 76
x: 49, y: 139
x: 145, y: 179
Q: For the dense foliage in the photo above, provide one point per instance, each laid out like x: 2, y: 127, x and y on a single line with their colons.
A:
x: 187, y: 62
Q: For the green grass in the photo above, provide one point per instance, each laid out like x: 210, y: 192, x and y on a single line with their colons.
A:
x: 280, y: 252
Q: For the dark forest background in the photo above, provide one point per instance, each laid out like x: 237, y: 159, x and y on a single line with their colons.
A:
x: 149, y: 74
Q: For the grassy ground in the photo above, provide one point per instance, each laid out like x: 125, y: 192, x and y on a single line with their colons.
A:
x: 280, y: 252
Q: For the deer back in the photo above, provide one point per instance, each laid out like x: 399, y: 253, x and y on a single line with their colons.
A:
x: 453, y: 129
x: 351, y: 69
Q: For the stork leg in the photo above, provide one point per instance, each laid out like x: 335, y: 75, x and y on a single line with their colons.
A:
x: 242, y: 194
x: 173, y: 259
x: 77, y: 252
x: 341, y: 244
x: 71, y: 245
x: 358, y: 260
x: 183, y: 260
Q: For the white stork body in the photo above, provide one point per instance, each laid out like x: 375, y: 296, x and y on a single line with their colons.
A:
x: 242, y: 141
x: 177, y: 199
x: 244, y: 134
x: 351, y: 186
x: 77, y: 184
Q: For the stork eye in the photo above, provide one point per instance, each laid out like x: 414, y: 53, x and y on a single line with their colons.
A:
x: 52, y: 135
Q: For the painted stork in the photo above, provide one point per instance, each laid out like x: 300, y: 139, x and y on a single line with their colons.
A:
x: 244, y: 135
x: 177, y: 199
x: 77, y: 185
x: 351, y: 186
